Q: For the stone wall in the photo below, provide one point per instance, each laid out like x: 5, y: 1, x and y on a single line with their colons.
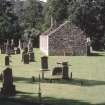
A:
x: 67, y: 39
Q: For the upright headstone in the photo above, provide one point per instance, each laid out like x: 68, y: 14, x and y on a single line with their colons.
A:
x: 8, y: 48
x: 8, y: 88
x: 7, y: 61
x: 88, y: 46
x: 18, y: 50
x: 57, y: 71
x: 12, y: 47
x: 44, y: 63
x: 30, y: 46
x: 30, y: 51
x: 19, y: 46
x: 3, y: 49
x: 65, y: 70
x: 26, y: 58
x: 24, y: 44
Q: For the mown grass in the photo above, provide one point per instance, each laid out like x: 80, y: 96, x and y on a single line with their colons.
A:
x: 86, y: 88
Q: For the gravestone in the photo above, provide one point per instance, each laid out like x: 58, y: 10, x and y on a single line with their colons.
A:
x: 88, y: 50
x: 26, y: 58
x: 57, y: 71
x: 8, y: 48
x: 65, y: 69
x: 18, y: 51
x: 44, y: 63
x: 12, y: 47
x: 25, y: 51
x: 20, y: 44
x: 31, y: 57
x: 30, y: 51
x: 30, y: 46
x: 7, y: 61
x: 8, y: 88
x: 88, y: 46
x: 2, y: 49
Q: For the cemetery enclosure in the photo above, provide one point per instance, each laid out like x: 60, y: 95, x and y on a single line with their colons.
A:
x: 90, y: 70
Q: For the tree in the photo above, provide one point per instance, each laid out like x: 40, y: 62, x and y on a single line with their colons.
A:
x: 89, y: 16
x: 33, y: 13
x: 9, y: 27
x: 56, y: 11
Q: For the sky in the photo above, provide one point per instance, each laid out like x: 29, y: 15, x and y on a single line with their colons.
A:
x: 43, y: 0
x: 40, y: 0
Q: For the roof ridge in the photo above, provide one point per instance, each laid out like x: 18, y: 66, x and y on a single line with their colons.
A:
x: 58, y: 28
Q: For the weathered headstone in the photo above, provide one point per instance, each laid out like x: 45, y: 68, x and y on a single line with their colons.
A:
x: 65, y: 70
x: 8, y: 88
x: 8, y: 48
x: 12, y: 47
x: 25, y: 51
x: 88, y: 50
x: 31, y: 57
x: 18, y: 51
x: 30, y: 46
x: 24, y: 44
x: 26, y: 58
x: 7, y: 61
x: 30, y: 51
x: 57, y: 71
x: 88, y: 46
x: 20, y: 44
x: 44, y: 63
x: 2, y: 49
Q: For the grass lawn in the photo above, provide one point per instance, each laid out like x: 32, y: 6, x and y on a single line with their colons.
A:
x: 88, y: 70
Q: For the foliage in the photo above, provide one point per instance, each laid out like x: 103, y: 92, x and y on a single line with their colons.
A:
x: 56, y: 10
x: 9, y: 27
x: 33, y: 14
x: 90, y: 16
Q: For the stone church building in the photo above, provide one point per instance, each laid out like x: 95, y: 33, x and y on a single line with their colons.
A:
x: 66, y: 40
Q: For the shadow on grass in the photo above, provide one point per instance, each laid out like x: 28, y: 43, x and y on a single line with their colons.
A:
x: 78, y: 82
x: 20, y: 92
x: 23, y: 79
x: 74, y: 81
x: 97, y: 54
x: 15, y: 101
x: 45, y: 101
x: 54, y: 101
